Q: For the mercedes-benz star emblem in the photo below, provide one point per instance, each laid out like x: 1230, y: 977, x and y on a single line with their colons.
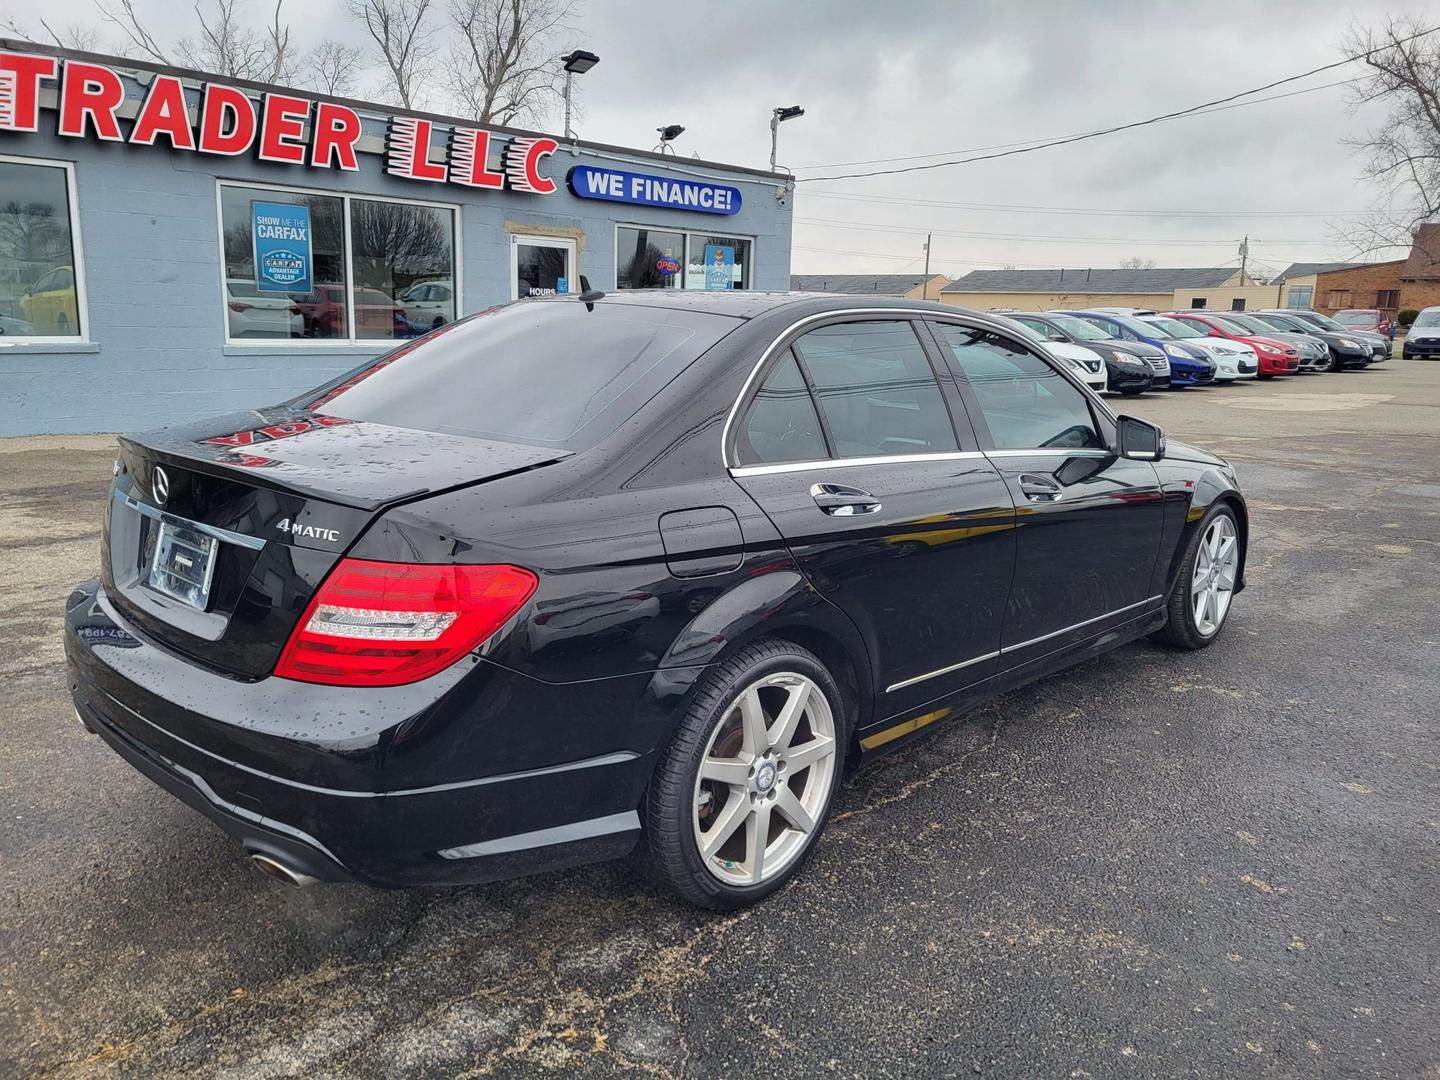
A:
x: 160, y: 486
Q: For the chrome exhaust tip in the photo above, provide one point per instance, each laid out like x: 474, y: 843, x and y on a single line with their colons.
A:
x: 278, y: 870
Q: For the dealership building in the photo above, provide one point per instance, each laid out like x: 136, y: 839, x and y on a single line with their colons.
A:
x: 175, y: 244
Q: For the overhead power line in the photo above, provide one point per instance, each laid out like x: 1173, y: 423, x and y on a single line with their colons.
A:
x: 1045, y: 238
x: 1087, y: 211
x: 1116, y: 128
x: 1199, y: 111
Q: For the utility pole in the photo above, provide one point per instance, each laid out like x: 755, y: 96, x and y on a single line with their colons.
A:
x: 1244, y: 256
x: 925, y: 293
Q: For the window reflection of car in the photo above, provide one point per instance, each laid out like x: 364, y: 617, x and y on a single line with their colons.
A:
x: 428, y: 304
x: 15, y: 327
x: 49, y: 305
x: 376, y: 314
x: 322, y: 310
x: 253, y: 313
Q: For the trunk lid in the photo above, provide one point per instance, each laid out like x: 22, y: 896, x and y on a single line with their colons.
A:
x: 218, y: 533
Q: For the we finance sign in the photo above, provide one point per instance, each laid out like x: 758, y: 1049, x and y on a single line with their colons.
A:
x: 279, y: 128
x: 640, y: 189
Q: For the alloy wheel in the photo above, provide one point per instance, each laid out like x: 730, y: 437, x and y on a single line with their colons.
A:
x: 1212, y: 583
x: 765, y: 779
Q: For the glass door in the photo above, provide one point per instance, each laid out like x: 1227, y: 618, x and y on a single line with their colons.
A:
x: 541, y: 266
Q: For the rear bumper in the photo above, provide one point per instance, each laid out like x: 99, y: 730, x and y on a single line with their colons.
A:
x: 493, y: 826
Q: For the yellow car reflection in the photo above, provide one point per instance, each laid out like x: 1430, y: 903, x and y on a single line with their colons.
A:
x: 935, y: 537
x: 50, y: 305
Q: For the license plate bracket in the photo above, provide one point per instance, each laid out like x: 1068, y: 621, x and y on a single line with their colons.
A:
x: 183, y: 565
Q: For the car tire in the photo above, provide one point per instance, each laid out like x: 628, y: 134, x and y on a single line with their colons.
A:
x: 679, y: 800
x: 1183, y: 627
x: 1330, y: 363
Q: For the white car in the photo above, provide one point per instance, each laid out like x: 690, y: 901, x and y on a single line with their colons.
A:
x: 1233, y: 359
x: 253, y: 313
x: 429, y: 304
x: 1086, y: 364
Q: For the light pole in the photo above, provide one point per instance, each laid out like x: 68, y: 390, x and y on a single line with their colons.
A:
x: 576, y: 63
x: 778, y: 116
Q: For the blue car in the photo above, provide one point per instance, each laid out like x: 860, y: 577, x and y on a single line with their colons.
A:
x: 1189, y: 366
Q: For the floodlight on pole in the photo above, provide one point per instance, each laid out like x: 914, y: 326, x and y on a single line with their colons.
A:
x: 668, y: 134
x: 777, y: 117
x: 577, y: 62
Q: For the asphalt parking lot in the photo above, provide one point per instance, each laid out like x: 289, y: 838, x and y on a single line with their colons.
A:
x: 1159, y: 863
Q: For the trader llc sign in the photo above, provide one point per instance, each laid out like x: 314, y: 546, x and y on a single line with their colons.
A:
x: 281, y: 129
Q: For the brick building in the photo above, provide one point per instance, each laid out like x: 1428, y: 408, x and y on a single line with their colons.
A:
x: 1420, y: 276
x: 1329, y: 287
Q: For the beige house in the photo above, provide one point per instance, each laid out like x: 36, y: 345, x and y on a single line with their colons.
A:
x: 1159, y: 289
x: 906, y: 286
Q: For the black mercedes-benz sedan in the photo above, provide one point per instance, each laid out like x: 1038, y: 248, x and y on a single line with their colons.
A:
x: 581, y: 575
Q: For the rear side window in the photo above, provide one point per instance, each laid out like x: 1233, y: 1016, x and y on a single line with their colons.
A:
x: 558, y: 373
x: 1026, y: 403
x: 876, y: 390
x: 781, y: 424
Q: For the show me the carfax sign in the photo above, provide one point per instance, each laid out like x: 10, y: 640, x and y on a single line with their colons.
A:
x: 279, y: 128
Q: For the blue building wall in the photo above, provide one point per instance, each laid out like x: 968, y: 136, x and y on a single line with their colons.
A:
x: 156, y: 350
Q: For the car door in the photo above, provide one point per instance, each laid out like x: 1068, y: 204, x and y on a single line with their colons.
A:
x: 1088, y: 524
x: 850, y: 446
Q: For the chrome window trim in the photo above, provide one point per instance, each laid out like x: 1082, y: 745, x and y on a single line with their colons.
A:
x: 1076, y: 626
x: 841, y: 463
x: 1077, y: 451
x: 942, y: 671
x: 254, y: 543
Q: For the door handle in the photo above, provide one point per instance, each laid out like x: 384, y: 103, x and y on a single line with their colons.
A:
x: 837, y: 500
x: 1040, y: 488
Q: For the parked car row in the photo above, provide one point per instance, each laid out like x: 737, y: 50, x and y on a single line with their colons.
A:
x: 321, y: 312
x: 1135, y: 349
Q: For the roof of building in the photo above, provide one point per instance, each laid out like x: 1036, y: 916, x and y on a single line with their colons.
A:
x: 1424, y: 261
x: 860, y: 284
x: 1153, y: 280
x: 1295, y: 270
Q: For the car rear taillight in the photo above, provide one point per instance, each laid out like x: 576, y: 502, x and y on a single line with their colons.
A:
x: 384, y: 624
x: 237, y: 307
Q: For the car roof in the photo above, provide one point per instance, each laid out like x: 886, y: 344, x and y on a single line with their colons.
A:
x: 745, y: 304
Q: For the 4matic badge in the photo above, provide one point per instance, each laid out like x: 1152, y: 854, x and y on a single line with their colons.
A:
x: 307, y: 532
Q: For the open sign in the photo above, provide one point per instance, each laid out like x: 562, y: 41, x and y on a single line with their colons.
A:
x: 668, y: 265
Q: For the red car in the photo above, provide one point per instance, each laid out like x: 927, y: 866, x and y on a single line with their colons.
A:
x: 1371, y: 319
x: 1276, y: 358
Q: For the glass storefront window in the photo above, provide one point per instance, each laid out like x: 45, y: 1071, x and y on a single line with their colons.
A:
x: 39, y: 287
x: 661, y: 259
x: 261, y: 309
x: 404, y: 259
x: 717, y: 262
x: 648, y: 258
x: 396, y: 266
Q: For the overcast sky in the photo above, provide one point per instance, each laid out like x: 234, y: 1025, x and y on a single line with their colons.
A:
x: 890, y: 80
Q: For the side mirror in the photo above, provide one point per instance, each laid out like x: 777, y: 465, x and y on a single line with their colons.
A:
x: 1139, y: 439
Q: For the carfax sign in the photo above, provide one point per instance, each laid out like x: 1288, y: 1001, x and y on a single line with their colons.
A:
x: 613, y: 185
x: 282, y: 246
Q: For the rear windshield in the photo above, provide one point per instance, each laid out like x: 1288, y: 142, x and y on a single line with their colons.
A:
x: 557, y: 373
x: 1356, y: 318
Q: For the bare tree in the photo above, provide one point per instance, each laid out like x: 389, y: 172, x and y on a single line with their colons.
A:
x: 69, y: 36
x: 1402, y: 154
x: 503, y: 60
x: 1137, y: 262
x: 228, y: 45
x: 334, y: 68
x: 137, y: 39
x: 402, y: 31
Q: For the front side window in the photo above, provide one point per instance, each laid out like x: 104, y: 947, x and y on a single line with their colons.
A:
x: 39, y: 291
x: 293, y: 270
x: 1026, y: 403
x: 876, y: 390
x: 780, y: 424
